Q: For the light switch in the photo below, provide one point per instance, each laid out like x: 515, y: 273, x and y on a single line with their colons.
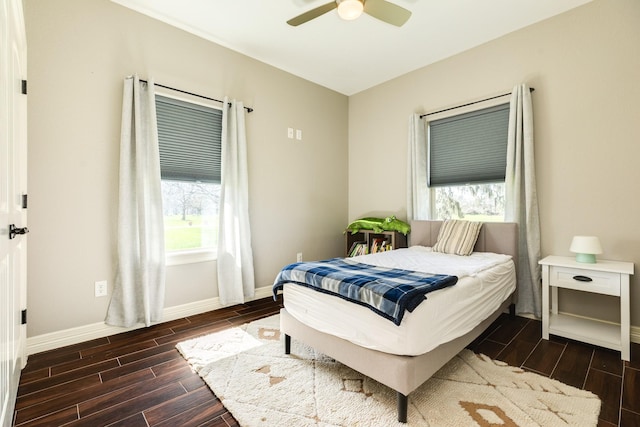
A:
x: 290, y: 133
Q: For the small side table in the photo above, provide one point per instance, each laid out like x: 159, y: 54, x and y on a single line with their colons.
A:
x: 603, y: 277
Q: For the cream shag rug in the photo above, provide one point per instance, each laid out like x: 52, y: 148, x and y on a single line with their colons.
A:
x: 261, y: 386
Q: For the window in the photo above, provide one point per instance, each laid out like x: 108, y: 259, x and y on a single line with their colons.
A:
x: 467, y: 163
x: 189, y: 136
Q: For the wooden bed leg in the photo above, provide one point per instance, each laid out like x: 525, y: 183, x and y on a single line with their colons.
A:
x: 403, y: 402
x: 512, y: 310
x: 287, y: 344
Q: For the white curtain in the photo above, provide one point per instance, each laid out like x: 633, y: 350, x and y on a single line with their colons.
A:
x: 522, y: 200
x: 138, y: 294
x: 235, y: 256
x: 418, y: 194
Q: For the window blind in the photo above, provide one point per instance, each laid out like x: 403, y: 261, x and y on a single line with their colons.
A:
x: 469, y: 148
x: 190, y: 140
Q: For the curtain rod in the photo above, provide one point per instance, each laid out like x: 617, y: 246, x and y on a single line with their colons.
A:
x: 469, y: 103
x: 249, y: 109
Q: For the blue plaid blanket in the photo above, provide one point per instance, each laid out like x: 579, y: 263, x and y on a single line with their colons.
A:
x: 389, y: 292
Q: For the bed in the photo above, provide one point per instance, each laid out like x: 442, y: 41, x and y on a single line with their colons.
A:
x: 393, y: 356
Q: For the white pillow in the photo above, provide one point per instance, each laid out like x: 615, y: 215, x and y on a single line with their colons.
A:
x: 457, y: 237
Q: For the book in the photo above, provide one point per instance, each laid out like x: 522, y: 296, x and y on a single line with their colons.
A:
x: 378, y: 245
x: 357, y: 248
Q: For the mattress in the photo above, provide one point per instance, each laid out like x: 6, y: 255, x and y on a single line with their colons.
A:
x: 485, y: 281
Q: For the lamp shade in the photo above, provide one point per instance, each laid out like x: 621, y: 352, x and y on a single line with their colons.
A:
x: 586, y: 248
x: 350, y: 9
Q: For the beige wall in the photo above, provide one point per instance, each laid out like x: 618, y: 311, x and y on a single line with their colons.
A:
x: 79, y: 52
x: 584, y: 65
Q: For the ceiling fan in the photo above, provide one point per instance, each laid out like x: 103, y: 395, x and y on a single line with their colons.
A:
x: 352, y: 9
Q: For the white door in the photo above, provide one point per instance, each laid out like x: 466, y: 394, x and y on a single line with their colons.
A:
x: 13, y: 174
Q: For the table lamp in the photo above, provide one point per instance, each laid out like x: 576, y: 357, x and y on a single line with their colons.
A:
x: 586, y: 248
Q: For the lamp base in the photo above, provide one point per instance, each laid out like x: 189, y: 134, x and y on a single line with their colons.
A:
x: 586, y: 258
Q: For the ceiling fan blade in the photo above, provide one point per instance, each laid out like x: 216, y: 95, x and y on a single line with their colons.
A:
x: 313, y: 13
x: 387, y: 12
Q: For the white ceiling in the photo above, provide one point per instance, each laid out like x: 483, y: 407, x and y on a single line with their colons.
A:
x: 349, y: 56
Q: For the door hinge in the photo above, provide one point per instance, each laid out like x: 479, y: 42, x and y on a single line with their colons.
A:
x: 24, y: 317
x: 24, y: 87
x: 25, y: 200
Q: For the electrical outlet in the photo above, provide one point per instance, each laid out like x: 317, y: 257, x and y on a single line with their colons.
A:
x: 299, y: 257
x: 101, y: 288
x: 298, y: 134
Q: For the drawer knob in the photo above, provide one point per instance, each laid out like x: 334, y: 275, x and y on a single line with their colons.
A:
x: 582, y: 278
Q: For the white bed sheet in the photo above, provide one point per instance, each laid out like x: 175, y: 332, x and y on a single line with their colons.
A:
x: 484, y: 282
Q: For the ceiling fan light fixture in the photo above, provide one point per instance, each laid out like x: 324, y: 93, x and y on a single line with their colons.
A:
x: 350, y: 9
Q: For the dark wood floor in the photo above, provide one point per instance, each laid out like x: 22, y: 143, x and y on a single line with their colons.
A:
x: 138, y: 378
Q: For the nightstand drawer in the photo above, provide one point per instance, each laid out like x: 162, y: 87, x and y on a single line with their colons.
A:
x: 602, y: 282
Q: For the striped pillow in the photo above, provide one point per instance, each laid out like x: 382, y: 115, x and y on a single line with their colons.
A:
x: 457, y: 237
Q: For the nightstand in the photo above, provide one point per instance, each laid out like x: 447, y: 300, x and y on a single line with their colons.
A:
x: 603, y: 277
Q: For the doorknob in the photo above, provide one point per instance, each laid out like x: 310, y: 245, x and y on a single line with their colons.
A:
x: 13, y: 231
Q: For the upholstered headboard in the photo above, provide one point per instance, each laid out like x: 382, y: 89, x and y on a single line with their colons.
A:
x: 498, y: 237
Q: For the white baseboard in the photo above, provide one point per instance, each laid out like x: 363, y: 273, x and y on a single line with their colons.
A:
x: 80, y: 334
x: 53, y: 340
